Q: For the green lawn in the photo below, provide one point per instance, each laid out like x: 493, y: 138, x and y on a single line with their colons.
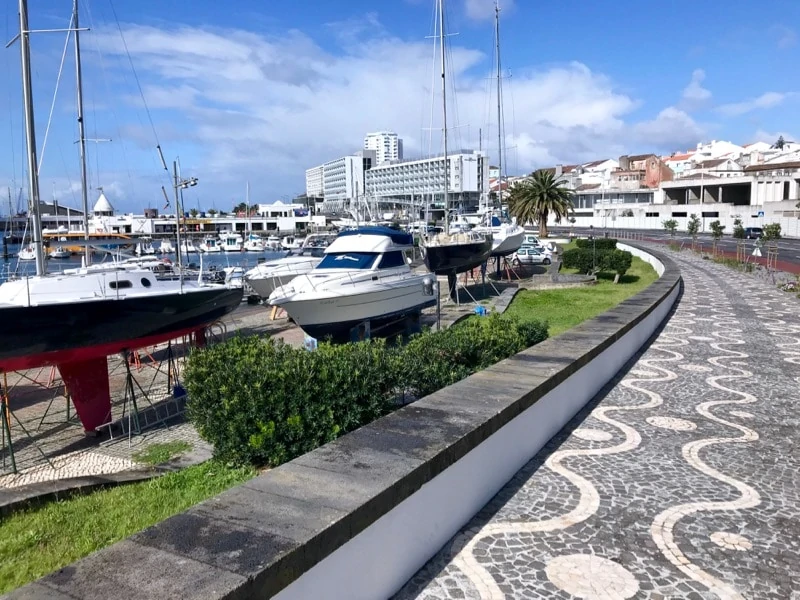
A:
x: 566, y: 308
x: 39, y: 540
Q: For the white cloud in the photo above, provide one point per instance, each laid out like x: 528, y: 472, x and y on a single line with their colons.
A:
x: 762, y: 135
x: 265, y: 108
x: 672, y: 127
x: 695, y: 95
x: 766, y: 100
x: 481, y: 10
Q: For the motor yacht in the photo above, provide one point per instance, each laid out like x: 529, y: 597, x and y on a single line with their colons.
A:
x: 230, y: 242
x: 210, y: 244
x: 254, y: 243
x: 270, y: 274
x: 363, y: 283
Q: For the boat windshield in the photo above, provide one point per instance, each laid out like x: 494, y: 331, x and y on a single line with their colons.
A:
x: 348, y: 260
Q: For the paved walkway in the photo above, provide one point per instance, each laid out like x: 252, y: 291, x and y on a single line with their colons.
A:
x: 682, y: 482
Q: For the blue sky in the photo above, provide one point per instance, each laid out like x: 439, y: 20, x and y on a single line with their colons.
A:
x: 260, y: 91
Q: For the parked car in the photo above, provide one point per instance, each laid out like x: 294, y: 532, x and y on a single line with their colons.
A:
x: 528, y: 255
x: 753, y: 233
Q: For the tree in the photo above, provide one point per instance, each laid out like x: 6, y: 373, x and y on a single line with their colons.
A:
x: 779, y: 143
x: 772, y: 232
x: 716, y: 232
x: 240, y: 208
x: 537, y: 197
x: 693, y: 227
x: 211, y: 212
x: 193, y: 213
x: 670, y: 225
x: 738, y: 229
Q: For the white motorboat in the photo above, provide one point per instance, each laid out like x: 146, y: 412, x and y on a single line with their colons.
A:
x: 167, y: 247
x: 210, y: 244
x: 230, y: 241
x: 273, y: 243
x: 271, y: 274
x: 59, y: 252
x: 27, y: 253
x: 188, y: 247
x: 364, y: 282
x: 145, y: 247
x: 254, y: 243
x: 292, y: 243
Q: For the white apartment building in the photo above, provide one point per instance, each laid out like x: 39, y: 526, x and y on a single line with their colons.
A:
x: 343, y: 179
x: 421, y: 181
x: 315, y: 182
x: 386, y: 144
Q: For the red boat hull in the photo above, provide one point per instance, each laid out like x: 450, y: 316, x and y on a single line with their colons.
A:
x: 78, y: 338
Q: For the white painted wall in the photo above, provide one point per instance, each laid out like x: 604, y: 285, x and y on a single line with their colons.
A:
x: 381, y: 559
x: 645, y: 256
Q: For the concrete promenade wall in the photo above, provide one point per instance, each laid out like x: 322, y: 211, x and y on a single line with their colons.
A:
x: 358, y: 517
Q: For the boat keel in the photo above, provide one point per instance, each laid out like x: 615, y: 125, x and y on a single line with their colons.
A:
x: 87, y: 384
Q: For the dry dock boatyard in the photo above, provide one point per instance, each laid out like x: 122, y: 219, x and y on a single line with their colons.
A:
x: 633, y: 455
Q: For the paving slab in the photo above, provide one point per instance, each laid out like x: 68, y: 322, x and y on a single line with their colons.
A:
x: 679, y: 481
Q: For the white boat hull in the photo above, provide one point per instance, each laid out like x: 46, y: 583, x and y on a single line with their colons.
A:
x: 508, y: 241
x: 265, y: 279
x: 333, y: 313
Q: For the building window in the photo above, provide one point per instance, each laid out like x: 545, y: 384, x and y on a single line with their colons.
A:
x: 651, y: 214
x: 678, y: 214
x: 711, y: 215
x: 785, y: 190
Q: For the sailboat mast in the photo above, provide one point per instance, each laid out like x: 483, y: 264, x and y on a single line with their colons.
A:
x: 30, y: 136
x: 499, y: 101
x: 444, y: 120
x: 81, y: 131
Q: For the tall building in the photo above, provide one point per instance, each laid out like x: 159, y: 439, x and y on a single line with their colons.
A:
x: 386, y: 144
x: 421, y: 181
x: 314, y: 182
x: 343, y: 179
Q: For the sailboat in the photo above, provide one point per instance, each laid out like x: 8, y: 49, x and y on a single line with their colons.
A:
x: 449, y: 253
x: 252, y: 242
x: 76, y: 320
x: 507, y: 235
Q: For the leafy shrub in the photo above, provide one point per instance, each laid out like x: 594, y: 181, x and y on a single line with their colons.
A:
x: 582, y: 259
x: 772, y: 232
x: 586, y: 260
x: 617, y: 261
x: 262, y: 402
x: 597, y: 244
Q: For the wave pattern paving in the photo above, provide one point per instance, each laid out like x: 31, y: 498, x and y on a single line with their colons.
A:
x: 681, y: 481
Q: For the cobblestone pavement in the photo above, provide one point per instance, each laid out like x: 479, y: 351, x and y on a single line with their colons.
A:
x: 681, y: 482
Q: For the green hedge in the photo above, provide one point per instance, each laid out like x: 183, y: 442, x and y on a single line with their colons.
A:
x: 597, y: 243
x: 587, y: 260
x: 262, y: 402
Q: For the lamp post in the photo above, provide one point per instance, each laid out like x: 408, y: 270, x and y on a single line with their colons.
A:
x: 180, y: 184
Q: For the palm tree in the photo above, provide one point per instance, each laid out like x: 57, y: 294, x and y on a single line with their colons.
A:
x: 535, y: 198
x: 193, y: 213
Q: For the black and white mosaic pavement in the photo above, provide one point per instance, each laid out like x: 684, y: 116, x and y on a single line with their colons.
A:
x: 683, y: 481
